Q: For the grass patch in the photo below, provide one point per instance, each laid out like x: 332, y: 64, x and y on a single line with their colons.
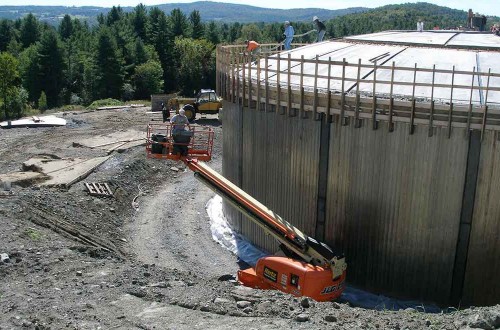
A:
x: 33, y: 234
x: 69, y: 107
x: 105, y: 103
x: 147, y: 103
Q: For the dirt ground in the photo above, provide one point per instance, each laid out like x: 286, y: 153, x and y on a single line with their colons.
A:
x: 83, y: 262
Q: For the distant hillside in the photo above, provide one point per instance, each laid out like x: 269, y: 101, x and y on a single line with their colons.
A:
x: 226, y: 12
x: 210, y: 11
x: 400, y: 17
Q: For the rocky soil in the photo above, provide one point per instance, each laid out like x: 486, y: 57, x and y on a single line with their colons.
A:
x: 82, y: 262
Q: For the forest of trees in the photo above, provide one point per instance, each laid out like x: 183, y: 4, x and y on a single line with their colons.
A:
x: 132, y: 55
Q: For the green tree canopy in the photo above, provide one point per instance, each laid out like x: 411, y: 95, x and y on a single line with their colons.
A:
x: 6, y: 34
x: 29, y: 70
x: 139, y: 20
x: 109, y: 66
x: 251, y: 32
x: 197, y: 28
x: 178, y: 23
x: 148, y: 79
x: 30, y: 30
x: 196, y: 64
x: 66, y: 27
x: 9, y: 79
x: 51, y: 66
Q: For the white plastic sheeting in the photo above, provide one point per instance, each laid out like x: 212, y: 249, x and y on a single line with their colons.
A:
x: 225, y: 236
x: 237, y: 244
x: 444, y: 59
x: 475, y: 39
x: 334, y: 51
x: 408, y: 37
x: 489, y: 61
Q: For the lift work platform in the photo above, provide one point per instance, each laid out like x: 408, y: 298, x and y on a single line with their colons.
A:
x: 305, y: 267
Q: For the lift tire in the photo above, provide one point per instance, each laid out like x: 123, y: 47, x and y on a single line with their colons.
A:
x: 190, y: 113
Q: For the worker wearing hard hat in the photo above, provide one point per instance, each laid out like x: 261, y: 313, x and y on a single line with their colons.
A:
x: 289, y: 32
x: 320, y: 28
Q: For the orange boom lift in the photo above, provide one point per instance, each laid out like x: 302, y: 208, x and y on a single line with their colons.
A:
x: 305, y: 267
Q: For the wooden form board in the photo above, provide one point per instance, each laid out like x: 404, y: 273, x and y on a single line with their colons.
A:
x: 238, y: 80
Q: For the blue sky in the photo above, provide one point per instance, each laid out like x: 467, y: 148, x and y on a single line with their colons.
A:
x: 488, y: 7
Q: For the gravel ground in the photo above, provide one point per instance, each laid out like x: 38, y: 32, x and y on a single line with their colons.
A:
x: 82, y: 262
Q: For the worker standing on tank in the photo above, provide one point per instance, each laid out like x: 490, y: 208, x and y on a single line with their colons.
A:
x: 253, y: 49
x: 420, y: 25
x: 320, y: 28
x: 289, y: 32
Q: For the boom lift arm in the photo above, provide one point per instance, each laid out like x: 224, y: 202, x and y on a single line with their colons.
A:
x: 311, y: 269
x: 309, y: 249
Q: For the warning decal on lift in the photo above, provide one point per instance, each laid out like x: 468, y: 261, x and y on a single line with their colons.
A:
x: 270, y: 274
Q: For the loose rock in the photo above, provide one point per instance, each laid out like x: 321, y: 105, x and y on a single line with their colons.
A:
x: 305, y: 302
x: 330, y: 318
x: 243, y: 304
x: 302, y: 318
x: 4, y: 258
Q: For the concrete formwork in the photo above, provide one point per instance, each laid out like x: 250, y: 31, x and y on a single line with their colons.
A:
x: 483, y: 258
x: 393, y: 207
x: 403, y: 183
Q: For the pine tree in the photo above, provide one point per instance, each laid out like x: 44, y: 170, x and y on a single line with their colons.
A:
x: 178, y: 22
x: 109, y: 66
x: 212, y: 33
x: 42, y: 102
x: 161, y: 38
x: 197, y: 28
x: 51, y: 63
x: 66, y: 27
x: 139, y: 20
x: 114, y: 15
x: 29, y: 70
x: 6, y: 32
x: 9, y: 79
x: 30, y: 30
x: 140, y: 52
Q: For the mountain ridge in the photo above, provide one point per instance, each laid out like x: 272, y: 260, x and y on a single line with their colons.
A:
x: 209, y: 10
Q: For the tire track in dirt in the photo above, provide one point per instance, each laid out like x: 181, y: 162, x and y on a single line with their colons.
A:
x: 172, y: 229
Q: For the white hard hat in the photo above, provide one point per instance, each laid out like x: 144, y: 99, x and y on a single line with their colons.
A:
x: 287, y: 23
x: 182, y: 111
x: 315, y: 18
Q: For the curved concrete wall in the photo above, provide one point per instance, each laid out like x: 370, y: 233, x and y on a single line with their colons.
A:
x: 394, y: 201
x: 406, y: 186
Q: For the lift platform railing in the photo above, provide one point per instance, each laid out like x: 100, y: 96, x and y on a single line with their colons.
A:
x: 160, y: 142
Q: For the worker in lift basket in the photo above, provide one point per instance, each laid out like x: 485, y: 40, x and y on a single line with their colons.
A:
x: 180, y: 135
